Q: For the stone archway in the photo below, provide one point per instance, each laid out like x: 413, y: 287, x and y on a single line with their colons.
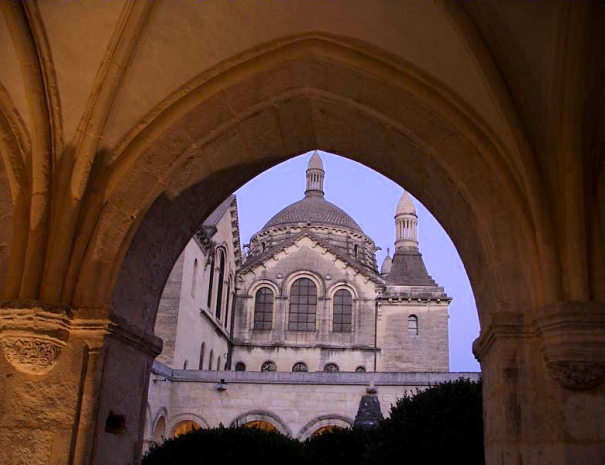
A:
x: 129, y: 208
x: 324, y: 423
x: 445, y: 156
x: 263, y: 420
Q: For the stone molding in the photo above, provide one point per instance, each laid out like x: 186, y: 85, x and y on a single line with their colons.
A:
x: 571, y: 337
x: 33, y: 335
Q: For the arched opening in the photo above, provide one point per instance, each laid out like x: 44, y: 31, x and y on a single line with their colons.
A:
x: 185, y: 427
x: 194, y: 278
x: 263, y: 308
x: 220, y: 284
x: 159, y: 432
x: 438, y: 151
x: 261, y: 425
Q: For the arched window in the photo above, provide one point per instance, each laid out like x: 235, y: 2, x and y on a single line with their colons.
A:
x: 210, y: 360
x: 331, y: 368
x: 185, y: 427
x: 221, y: 279
x: 240, y: 366
x: 356, y: 252
x: 343, y: 311
x: 263, y: 308
x: 194, y: 278
x: 210, y: 284
x: 261, y: 425
x: 202, y: 350
x: 218, y: 363
x: 227, y: 303
x: 413, y: 325
x: 268, y: 366
x: 185, y: 365
x: 300, y: 367
x: 159, y: 433
x: 303, y: 305
x: 360, y: 369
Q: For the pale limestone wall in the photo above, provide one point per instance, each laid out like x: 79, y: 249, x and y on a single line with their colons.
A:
x: 347, y: 359
x: 297, y: 403
x: 305, y: 258
x: 185, y: 321
x: 401, y: 351
x: 168, y: 312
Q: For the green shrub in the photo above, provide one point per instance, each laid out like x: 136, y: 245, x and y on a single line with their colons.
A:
x: 227, y: 445
x: 444, y: 422
x: 340, y: 446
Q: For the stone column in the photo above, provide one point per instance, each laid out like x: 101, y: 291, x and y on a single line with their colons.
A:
x: 544, y: 395
x: 73, y: 386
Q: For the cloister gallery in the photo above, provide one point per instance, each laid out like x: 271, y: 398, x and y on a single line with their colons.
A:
x: 124, y: 124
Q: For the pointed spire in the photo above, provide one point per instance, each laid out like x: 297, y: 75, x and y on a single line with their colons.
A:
x: 315, y: 176
x: 406, y: 223
x: 387, y: 264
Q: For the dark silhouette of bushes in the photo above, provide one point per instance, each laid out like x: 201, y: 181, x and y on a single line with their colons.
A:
x: 442, y: 423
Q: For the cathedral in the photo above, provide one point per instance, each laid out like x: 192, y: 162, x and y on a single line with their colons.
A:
x: 304, y: 297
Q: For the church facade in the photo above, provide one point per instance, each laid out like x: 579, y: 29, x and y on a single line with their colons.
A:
x: 307, y: 302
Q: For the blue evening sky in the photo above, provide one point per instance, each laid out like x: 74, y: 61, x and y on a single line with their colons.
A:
x: 370, y: 199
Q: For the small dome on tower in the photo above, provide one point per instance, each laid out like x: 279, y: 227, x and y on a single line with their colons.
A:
x: 315, y: 163
x: 405, y: 205
x: 387, y: 264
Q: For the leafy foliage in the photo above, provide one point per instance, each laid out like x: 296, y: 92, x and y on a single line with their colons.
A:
x: 442, y: 423
x: 227, y: 445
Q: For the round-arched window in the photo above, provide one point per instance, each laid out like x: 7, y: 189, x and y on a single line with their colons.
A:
x: 300, y: 367
x: 413, y: 325
x: 343, y: 311
x: 185, y: 427
x: 360, y: 369
x: 263, y: 308
x: 303, y: 305
x: 240, y: 366
x: 331, y: 368
x: 268, y: 366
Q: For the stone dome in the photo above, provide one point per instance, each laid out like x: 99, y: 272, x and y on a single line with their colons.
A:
x: 314, y: 210
x: 405, y: 205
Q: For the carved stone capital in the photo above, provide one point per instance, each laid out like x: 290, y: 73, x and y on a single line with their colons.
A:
x: 572, y: 340
x: 32, y: 355
x: 577, y: 374
x: 32, y: 335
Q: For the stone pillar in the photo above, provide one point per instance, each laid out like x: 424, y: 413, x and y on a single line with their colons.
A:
x: 544, y: 395
x: 73, y: 386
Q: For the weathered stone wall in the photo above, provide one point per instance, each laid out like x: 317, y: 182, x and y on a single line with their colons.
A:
x: 185, y: 321
x: 298, y: 403
x: 402, y: 350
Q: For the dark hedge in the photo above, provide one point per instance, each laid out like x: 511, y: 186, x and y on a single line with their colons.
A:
x: 442, y: 423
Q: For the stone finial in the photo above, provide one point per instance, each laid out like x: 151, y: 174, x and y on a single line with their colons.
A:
x: 406, y: 223
x: 387, y: 264
x: 315, y: 176
x: 369, y: 413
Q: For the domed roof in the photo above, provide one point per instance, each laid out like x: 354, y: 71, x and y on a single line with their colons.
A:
x: 405, y: 205
x: 314, y: 210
